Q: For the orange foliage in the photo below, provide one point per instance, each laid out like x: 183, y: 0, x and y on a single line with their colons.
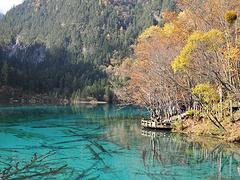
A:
x: 213, y: 57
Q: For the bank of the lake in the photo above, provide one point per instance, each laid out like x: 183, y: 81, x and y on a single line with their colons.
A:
x: 200, y: 126
x: 17, y: 96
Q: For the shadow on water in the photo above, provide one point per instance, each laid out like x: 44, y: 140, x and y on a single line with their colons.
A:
x: 104, y: 142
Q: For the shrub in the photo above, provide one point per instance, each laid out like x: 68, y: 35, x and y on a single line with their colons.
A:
x: 231, y: 16
x: 191, y: 112
x: 206, y: 93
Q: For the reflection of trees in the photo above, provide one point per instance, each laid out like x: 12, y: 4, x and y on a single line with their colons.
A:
x: 167, y: 155
x: 90, y: 112
x: 125, y: 132
x: 168, y: 151
x: 162, y: 150
x: 108, y: 112
x: 38, y: 166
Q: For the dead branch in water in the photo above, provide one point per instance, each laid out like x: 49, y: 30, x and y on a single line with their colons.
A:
x: 36, y: 167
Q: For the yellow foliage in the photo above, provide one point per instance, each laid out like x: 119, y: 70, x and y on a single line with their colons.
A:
x: 213, y: 36
x: 231, y: 16
x: 206, y: 93
x: 181, y: 62
x: 211, y: 39
x: 168, y: 29
x: 197, y: 36
x: 148, y: 33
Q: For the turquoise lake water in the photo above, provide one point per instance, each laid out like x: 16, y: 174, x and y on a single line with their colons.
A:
x: 103, y: 142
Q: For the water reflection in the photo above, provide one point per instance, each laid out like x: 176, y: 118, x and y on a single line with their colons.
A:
x: 106, y: 142
x: 166, y: 155
x: 168, y: 150
x: 14, y: 114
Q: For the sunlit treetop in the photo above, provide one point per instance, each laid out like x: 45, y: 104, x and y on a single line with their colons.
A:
x: 213, y: 36
x: 210, y: 39
x: 153, y: 31
x: 148, y: 33
x: 206, y: 93
x: 168, y: 29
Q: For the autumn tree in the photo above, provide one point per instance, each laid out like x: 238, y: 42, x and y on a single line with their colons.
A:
x: 151, y: 80
x: 194, y: 51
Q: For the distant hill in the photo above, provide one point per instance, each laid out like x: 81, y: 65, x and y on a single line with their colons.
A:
x: 64, y: 46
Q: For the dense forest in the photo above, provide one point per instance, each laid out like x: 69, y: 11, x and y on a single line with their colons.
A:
x: 191, y: 63
x: 66, y: 47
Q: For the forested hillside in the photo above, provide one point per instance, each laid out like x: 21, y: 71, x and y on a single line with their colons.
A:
x: 63, y: 47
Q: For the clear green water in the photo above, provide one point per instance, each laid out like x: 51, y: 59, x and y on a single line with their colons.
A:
x: 103, y: 142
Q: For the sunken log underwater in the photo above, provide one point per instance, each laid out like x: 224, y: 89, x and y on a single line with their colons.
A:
x: 164, y: 124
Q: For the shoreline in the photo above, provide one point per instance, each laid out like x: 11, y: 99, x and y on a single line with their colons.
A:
x: 194, y: 127
x: 89, y: 102
x: 191, y: 126
x: 53, y: 103
x: 15, y: 96
x: 197, y: 124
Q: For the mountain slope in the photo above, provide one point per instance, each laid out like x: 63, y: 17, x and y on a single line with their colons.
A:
x: 1, y: 16
x: 41, y: 37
